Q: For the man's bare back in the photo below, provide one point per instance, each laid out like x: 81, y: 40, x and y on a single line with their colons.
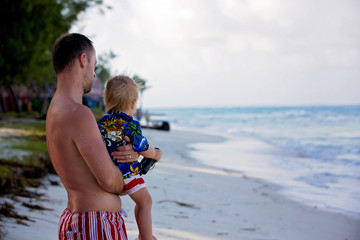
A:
x: 80, y: 158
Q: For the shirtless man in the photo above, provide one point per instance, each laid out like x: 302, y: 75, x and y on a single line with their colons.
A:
x: 77, y: 152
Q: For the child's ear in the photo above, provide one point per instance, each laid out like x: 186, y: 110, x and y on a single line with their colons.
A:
x: 134, y: 104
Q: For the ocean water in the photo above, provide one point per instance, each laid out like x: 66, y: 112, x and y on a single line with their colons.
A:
x: 312, y: 152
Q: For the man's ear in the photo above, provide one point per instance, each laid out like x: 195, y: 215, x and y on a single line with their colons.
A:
x: 82, y: 59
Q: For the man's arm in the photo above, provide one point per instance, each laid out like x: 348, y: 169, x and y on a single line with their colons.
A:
x: 125, y: 154
x: 88, y: 140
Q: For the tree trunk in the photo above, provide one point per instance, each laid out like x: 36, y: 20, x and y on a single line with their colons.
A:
x: 45, y: 100
x: 2, y: 103
x: 15, y: 103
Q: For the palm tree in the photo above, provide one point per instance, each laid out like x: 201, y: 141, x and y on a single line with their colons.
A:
x: 142, y: 84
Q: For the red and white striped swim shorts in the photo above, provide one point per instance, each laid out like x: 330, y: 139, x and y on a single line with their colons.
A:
x: 92, y: 226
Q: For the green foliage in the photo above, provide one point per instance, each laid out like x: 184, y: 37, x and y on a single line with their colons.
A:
x: 143, y: 86
x: 33, y: 146
x: 103, y: 69
x: 141, y: 82
x: 98, y: 113
x: 30, y: 114
x: 5, y: 171
x: 26, y: 138
x: 25, y: 126
x: 28, y: 31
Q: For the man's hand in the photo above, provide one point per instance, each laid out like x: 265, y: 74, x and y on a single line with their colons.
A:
x: 125, y: 154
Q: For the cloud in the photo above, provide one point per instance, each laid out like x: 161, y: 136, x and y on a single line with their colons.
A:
x: 249, y: 52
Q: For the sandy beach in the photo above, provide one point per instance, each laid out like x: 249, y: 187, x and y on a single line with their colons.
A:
x: 195, y: 201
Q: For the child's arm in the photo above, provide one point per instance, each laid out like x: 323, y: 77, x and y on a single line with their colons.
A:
x: 140, y: 143
x: 153, y: 153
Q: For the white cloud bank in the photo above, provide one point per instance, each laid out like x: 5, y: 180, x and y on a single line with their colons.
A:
x: 234, y: 52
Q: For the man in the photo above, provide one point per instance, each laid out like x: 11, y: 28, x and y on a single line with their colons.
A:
x: 79, y: 156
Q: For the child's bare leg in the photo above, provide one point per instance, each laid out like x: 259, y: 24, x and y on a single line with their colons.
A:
x: 143, y: 201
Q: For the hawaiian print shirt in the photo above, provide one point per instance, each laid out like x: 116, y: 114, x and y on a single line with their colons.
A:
x: 114, y: 126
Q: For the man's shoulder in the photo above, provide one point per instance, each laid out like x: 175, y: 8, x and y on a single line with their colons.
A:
x: 78, y: 111
x: 82, y: 110
x: 74, y: 114
x: 82, y: 114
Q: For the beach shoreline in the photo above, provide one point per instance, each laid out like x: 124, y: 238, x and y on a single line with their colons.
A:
x: 192, y: 200
x: 260, y: 166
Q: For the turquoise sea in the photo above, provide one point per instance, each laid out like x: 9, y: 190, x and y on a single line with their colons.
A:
x: 315, y: 149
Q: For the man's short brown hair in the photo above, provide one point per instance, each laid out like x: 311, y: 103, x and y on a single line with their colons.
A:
x: 69, y: 47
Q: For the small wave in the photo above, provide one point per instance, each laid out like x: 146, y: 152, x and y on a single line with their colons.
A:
x: 320, y: 180
x: 350, y: 158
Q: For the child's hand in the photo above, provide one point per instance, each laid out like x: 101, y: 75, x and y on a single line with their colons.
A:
x: 158, y: 154
x: 125, y: 154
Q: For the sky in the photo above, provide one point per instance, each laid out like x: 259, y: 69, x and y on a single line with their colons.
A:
x: 226, y: 53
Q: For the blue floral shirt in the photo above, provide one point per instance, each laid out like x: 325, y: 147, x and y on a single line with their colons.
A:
x: 114, y: 126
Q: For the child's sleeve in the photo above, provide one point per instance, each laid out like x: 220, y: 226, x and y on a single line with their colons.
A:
x: 140, y: 144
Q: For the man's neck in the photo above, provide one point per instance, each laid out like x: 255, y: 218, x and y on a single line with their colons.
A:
x: 70, y: 85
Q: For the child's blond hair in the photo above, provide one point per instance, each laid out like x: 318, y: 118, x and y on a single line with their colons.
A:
x: 120, y: 93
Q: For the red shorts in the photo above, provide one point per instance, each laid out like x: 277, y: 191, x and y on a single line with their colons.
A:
x: 134, y: 184
x: 91, y: 226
